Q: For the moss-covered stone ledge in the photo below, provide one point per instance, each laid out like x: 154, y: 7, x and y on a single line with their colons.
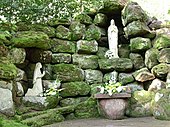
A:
x: 118, y: 64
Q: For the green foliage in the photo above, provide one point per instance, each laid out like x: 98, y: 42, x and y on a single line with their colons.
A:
x: 43, y: 10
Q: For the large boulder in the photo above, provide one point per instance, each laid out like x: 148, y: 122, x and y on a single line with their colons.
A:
x: 93, y: 76
x: 161, y: 41
x: 6, y: 102
x: 118, y: 64
x: 72, y: 89
x: 28, y: 39
x: 162, y: 104
x: 85, y: 61
x: 63, y: 46
x: 133, y: 12
x: 137, y: 60
x: 141, y: 104
x: 8, y: 71
x: 150, y: 57
x: 143, y: 75
x: 114, y: 6
x: 164, y: 56
x: 67, y: 72
x: 136, y: 28
x: 140, y: 44
x: 17, y: 55
x: 161, y: 70
x: 88, y: 47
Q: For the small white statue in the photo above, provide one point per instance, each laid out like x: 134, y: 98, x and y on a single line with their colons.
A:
x: 113, y: 41
x: 113, y: 76
x: 37, y: 89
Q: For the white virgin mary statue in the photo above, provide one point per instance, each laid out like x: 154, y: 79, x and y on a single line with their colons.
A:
x: 37, y: 89
x: 113, y: 41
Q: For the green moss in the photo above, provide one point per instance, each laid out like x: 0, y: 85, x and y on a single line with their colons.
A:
x: 67, y: 72
x: 84, y: 18
x: 162, y: 106
x: 87, y: 109
x: 31, y: 39
x: 63, y: 46
x: 74, y: 89
x: 52, y: 101
x: 161, y: 41
x: 10, y: 123
x: 93, y: 33
x: 8, y: 71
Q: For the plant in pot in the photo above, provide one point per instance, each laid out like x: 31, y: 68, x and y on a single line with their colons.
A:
x: 112, y: 100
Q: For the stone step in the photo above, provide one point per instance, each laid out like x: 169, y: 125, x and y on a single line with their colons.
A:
x: 43, y: 119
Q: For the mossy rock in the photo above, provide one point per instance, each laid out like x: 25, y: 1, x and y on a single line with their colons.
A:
x: 72, y: 101
x: 162, y: 106
x: 113, y: 6
x: 8, y: 26
x: 50, y: 31
x: 57, y: 22
x: 161, y: 41
x: 123, y: 51
x: 61, y: 58
x: 5, y: 37
x: 63, y: 46
x: 44, y: 119
x: 93, y: 33
x: 30, y: 39
x: 125, y: 78
x: 8, y: 71
x: 17, y: 55
x: 84, y: 19
x: 140, y: 44
x: 118, y: 64
x: 150, y: 57
x: 72, y: 89
x: 141, y: 104
x: 87, y: 47
x: 161, y: 70
x: 164, y: 56
x: 133, y: 12
x: 67, y: 72
x: 85, y: 61
x: 136, y: 28
x: 137, y: 60
x: 63, y: 32
x: 87, y: 109
x: 77, y: 30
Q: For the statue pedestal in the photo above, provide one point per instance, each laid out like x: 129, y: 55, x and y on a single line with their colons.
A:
x: 113, y: 107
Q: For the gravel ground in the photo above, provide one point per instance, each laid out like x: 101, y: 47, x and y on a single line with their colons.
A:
x: 129, y: 122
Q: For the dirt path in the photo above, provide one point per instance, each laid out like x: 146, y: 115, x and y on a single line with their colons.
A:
x: 130, y: 122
